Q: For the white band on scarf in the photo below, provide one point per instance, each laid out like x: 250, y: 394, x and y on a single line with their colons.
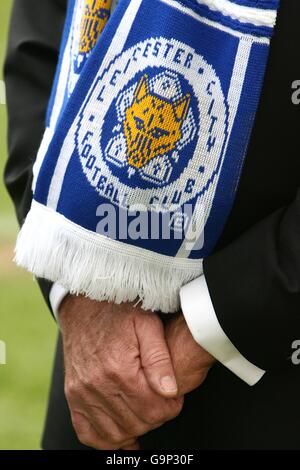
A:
x: 244, y: 14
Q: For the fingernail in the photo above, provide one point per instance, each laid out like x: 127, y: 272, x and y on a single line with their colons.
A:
x: 168, y: 384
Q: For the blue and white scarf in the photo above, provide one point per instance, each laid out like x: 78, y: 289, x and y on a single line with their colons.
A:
x: 146, y: 133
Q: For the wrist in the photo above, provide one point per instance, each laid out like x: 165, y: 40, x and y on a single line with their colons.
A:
x: 69, y: 312
x: 177, y: 330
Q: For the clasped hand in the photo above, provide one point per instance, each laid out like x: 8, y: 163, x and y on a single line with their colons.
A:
x: 124, y: 373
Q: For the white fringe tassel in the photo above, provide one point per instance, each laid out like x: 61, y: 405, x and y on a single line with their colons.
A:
x: 84, y: 262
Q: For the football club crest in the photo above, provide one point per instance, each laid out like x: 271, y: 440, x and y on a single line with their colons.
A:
x: 147, y: 132
x: 90, y: 18
x: 154, y: 126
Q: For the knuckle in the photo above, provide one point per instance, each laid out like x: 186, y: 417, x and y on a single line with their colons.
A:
x: 175, y: 409
x: 81, y: 429
x: 137, y: 430
x: 75, y: 390
x: 158, y: 416
x: 110, y: 446
x: 106, y: 443
x: 156, y: 357
x: 84, y: 438
x: 71, y: 388
x: 91, y: 381
x: 114, y: 438
x: 114, y: 441
x: 113, y: 371
x: 154, y: 417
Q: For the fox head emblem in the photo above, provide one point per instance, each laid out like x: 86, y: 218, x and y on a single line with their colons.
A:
x: 152, y: 124
x: 95, y: 16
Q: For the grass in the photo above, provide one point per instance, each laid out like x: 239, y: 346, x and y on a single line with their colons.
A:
x: 25, y: 324
x: 28, y: 331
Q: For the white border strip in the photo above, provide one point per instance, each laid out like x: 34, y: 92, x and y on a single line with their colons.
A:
x: 244, y: 14
x: 188, y: 11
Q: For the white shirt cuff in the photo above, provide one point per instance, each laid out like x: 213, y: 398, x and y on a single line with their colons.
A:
x: 57, y: 295
x: 202, y: 321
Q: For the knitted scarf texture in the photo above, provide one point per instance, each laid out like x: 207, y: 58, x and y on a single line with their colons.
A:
x: 147, y: 127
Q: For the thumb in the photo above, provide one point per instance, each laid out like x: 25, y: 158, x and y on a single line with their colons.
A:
x: 155, y: 355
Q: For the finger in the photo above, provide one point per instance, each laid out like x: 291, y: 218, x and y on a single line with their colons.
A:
x: 152, y: 409
x: 123, y: 414
x: 155, y: 356
x: 108, y: 428
x: 88, y: 435
x: 133, y: 445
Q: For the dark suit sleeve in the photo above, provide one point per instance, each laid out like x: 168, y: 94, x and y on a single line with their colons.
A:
x: 32, y: 54
x: 254, y: 284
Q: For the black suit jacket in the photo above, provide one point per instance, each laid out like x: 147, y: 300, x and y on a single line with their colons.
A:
x: 32, y: 54
x: 254, y: 273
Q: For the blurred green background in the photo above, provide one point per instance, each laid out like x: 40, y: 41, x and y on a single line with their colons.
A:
x: 25, y: 324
